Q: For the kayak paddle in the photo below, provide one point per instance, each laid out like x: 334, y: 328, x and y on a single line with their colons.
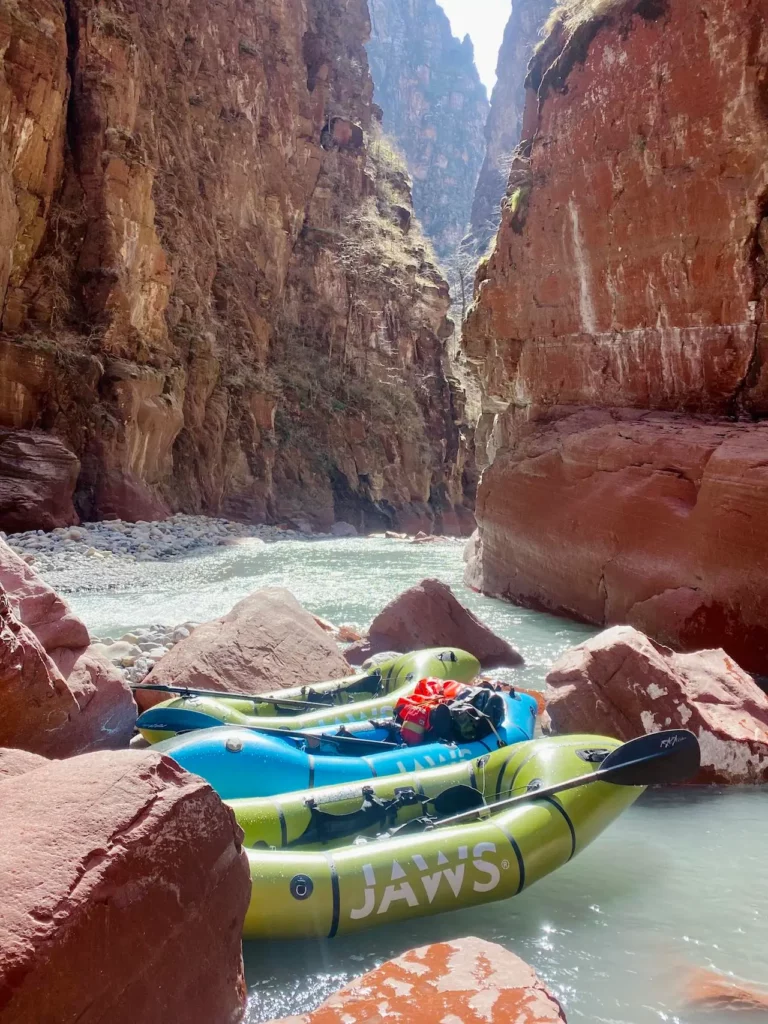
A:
x: 186, y: 720
x: 185, y: 691
x: 658, y: 758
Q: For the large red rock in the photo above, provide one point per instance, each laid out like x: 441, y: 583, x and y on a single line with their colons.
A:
x: 466, y: 981
x: 428, y: 615
x: 37, y: 705
x: 38, y: 474
x: 17, y: 762
x: 267, y: 642
x: 39, y: 606
x: 106, y: 712
x: 124, y: 862
x: 630, y: 275
x: 653, y: 519
x: 622, y: 684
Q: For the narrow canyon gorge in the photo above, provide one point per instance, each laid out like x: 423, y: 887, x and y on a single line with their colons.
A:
x: 619, y: 330
x: 214, y: 294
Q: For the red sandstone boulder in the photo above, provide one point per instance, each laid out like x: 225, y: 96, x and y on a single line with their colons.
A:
x: 38, y: 606
x: 428, y: 615
x: 266, y: 642
x: 17, y: 762
x: 105, y: 710
x: 123, y: 888
x: 38, y: 474
x: 622, y: 684
x: 37, y: 704
x: 466, y: 981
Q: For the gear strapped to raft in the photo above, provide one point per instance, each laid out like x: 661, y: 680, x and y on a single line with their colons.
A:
x: 325, y: 827
x: 450, y: 711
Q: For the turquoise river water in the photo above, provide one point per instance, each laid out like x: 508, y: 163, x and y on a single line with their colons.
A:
x: 681, y: 881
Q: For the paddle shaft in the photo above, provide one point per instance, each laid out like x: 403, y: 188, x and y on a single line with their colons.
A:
x: 185, y: 691
x: 559, y: 787
x: 376, y: 746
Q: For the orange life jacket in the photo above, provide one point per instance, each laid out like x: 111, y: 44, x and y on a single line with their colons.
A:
x: 413, y: 712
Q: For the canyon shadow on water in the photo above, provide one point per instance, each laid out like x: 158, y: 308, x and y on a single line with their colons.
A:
x: 680, y: 881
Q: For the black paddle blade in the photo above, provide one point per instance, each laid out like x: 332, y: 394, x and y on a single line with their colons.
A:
x: 457, y: 799
x: 658, y: 758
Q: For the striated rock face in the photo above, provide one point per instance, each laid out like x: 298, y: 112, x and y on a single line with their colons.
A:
x: 468, y: 980
x: 622, y: 684
x: 126, y: 857
x: 503, y: 129
x: 37, y: 478
x: 435, y: 106
x: 630, y: 275
x: 213, y: 299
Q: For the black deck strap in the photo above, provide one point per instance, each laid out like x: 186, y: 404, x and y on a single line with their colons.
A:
x: 311, y: 765
x: 283, y: 824
x: 518, y: 853
x: 556, y: 803
x: 335, y: 895
x: 500, y: 777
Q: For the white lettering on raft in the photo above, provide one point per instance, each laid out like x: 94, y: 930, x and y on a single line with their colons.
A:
x: 430, y: 883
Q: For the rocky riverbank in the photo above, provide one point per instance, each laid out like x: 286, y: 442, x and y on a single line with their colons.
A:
x: 147, y: 541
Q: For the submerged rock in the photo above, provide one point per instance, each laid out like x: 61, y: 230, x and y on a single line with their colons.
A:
x: 622, y: 684
x: 266, y: 642
x: 123, y: 888
x: 706, y: 989
x: 467, y: 980
x: 428, y: 615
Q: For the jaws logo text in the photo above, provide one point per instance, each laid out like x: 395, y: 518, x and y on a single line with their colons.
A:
x: 445, y: 756
x: 485, y: 876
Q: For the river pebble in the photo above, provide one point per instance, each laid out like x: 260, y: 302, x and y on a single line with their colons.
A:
x: 176, y: 537
x: 136, y: 653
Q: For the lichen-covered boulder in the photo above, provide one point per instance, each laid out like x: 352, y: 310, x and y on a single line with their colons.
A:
x: 428, y: 615
x: 468, y: 980
x: 622, y: 684
x: 123, y: 888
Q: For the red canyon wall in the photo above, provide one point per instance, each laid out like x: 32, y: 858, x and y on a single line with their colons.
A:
x: 212, y: 295
x: 619, y: 330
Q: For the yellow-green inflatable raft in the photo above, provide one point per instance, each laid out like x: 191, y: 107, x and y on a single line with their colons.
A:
x: 371, y: 694
x: 309, y: 879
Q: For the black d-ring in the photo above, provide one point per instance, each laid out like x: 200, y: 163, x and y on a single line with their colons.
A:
x: 301, y: 887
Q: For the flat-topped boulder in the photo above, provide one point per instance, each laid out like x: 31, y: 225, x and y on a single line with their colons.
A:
x: 620, y: 683
x: 123, y: 889
x: 429, y: 615
x: 267, y: 642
